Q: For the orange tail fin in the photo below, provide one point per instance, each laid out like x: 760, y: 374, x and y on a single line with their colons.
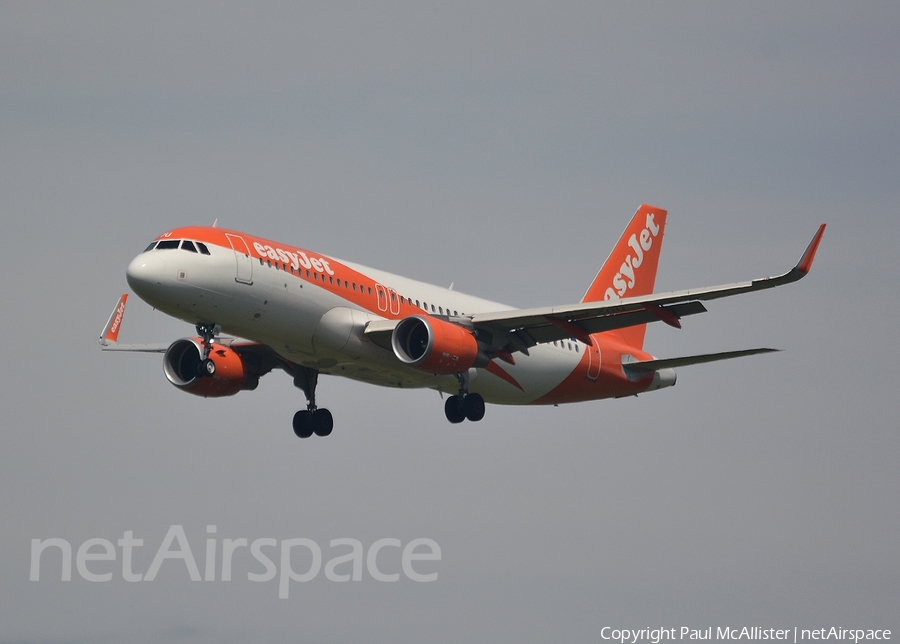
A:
x: 630, y: 270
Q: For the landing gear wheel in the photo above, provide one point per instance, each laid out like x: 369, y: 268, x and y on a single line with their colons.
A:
x: 322, y: 422
x: 474, y: 407
x: 303, y: 426
x: 454, y: 409
x: 311, y: 420
x: 206, y: 368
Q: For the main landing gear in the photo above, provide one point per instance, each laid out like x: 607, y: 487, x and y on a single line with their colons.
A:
x: 311, y: 420
x: 464, y: 405
x: 207, y: 333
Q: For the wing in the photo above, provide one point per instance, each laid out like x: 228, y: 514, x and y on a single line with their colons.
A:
x: 518, y: 330
x: 528, y: 327
x: 259, y: 359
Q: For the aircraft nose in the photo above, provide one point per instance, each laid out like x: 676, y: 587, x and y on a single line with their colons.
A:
x: 144, y: 274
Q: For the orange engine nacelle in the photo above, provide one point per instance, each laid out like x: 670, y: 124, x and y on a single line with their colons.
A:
x: 435, y: 346
x: 181, y: 364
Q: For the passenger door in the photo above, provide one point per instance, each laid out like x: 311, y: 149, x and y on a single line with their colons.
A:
x: 244, y: 266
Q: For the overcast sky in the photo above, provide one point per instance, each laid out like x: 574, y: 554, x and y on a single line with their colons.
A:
x: 502, y: 148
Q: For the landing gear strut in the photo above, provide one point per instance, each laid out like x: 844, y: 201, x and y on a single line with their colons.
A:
x: 207, y: 333
x: 311, y: 420
x: 464, y: 405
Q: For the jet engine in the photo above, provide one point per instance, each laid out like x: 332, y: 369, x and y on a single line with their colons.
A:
x: 436, y: 346
x: 181, y: 364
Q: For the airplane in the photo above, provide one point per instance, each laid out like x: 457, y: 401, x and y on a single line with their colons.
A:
x: 309, y: 314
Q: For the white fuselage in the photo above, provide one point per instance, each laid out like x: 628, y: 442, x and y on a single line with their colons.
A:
x: 313, y: 310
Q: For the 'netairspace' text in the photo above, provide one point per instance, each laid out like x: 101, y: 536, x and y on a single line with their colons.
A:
x: 346, y: 565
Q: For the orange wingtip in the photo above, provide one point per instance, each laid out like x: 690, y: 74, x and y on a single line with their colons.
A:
x: 806, y: 261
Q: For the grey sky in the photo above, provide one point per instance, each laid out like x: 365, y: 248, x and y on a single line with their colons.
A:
x: 504, y: 149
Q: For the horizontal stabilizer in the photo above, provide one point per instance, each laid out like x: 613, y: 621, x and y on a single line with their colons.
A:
x: 647, y: 366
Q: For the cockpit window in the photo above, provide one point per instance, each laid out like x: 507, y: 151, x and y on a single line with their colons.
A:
x: 188, y: 245
x: 168, y: 243
x: 150, y: 247
x: 203, y: 249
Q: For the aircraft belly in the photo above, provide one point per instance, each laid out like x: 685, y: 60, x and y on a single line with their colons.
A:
x: 375, y: 373
x: 529, y: 379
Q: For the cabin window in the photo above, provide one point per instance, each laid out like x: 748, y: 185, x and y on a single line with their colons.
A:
x: 188, y: 246
x: 167, y: 244
x: 339, y: 281
x: 370, y: 290
x: 440, y: 310
x: 203, y: 249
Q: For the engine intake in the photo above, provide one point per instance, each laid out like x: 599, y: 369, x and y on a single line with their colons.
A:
x: 435, y: 346
x: 182, y: 359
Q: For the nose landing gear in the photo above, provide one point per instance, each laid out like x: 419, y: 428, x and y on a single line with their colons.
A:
x: 207, y: 333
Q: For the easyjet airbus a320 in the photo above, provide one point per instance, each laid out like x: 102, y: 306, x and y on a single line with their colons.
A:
x: 306, y: 314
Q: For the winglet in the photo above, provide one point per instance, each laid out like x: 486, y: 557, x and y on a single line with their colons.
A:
x: 111, y: 331
x: 806, y: 261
